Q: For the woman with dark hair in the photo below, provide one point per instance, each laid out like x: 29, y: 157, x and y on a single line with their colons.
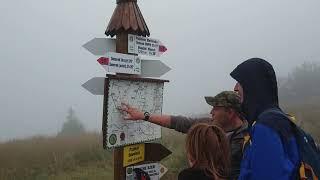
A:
x: 208, y: 153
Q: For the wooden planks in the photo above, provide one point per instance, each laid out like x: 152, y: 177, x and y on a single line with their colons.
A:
x: 128, y: 18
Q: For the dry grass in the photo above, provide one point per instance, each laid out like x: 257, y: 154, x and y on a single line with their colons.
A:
x: 177, y: 161
x: 83, y: 158
x: 75, y: 158
x: 307, y: 116
x: 48, y: 157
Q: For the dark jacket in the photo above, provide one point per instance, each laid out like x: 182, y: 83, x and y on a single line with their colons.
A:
x: 193, y: 174
x: 236, y: 138
x: 272, y: 152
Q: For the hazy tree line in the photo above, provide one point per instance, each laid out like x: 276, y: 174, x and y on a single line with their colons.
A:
x: 299, y: 94
x: 302, y: 85
x: 72, y: 126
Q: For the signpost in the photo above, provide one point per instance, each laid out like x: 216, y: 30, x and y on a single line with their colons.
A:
x: 133, y: 154
x: 145, y: 46
x: 153, y: 68
x: 121, y: 63
x: 136, y: 45
x: 163, y: 170
x: 100, y: 46
x: 95, y: 85
x: 154, y: 170
x: 149, y: 68
x: 120, y: 56
x: 157, y: 152
x: 130, y: 64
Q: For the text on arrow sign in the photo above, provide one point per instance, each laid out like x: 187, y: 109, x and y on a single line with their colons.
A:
x: 145, y: 46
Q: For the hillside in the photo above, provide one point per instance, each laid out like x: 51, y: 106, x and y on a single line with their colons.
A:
x: 75, y: 158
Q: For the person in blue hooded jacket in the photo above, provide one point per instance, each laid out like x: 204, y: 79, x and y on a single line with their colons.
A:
x: 272, y: 151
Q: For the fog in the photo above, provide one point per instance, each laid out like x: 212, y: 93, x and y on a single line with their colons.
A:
x: 43, y: 64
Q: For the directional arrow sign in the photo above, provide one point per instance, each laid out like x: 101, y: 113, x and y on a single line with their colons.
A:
x: 163, y: 170
x: 133, y: 154
x: 153, y: 68
x: 100, y: 46
x: 121, y: 63
x: 152, y: 169
x: 155, y: 152
x: 95, y: 85
x: 145, y: 46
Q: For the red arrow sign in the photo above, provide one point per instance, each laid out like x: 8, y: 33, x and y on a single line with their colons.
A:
x: 103, y: 61
x: 162, y: 49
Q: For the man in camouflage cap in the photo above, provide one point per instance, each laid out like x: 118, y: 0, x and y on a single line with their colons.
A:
x: 226, y: 110
x: 228, y: 99
x: 226, y: 113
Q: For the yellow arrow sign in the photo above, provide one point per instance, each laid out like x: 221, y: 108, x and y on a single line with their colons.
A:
x: 133, y: 154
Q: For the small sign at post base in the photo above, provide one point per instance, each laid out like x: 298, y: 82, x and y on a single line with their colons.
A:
x: 133, y: 154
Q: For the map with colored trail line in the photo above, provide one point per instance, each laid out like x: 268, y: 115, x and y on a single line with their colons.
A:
x: 146, y: 96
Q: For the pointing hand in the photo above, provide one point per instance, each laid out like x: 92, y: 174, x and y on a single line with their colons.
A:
x: 132, y: 113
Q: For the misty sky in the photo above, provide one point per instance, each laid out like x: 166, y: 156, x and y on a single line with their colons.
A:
x: 43, y: 64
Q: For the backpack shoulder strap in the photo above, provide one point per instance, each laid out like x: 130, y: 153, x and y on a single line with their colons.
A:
x: 247, y: 138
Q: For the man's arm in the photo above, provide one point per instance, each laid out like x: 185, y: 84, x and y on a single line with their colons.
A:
x: 135, y: 114
x: 183, y: 124
x: 178, y: 123
x: 162, y: 120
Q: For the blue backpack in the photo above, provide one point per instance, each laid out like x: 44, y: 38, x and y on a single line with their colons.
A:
x: 309, y: 155
x: 308, y: 150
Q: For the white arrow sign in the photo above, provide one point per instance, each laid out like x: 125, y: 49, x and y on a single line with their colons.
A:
x: 130, y: 64
x: 153, y: 170
x: 153, y: 68
x: 145, y: 46
x: 121, y: 63
x: 136, y: 45
x: 95, y: 85
x: 163, y: 170
x: 100, y: 46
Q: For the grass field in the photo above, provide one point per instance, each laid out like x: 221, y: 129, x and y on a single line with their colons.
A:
x: 83, y: 158
x: 74, y: 158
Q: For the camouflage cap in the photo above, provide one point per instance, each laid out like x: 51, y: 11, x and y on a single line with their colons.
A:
x: 228, y: 99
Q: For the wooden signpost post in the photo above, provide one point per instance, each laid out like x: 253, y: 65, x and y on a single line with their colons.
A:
x: 120, y: 56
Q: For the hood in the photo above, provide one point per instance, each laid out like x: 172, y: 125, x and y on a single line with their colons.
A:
x: 260, y: 90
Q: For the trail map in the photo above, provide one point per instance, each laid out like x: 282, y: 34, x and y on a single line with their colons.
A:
x: 146, y: 96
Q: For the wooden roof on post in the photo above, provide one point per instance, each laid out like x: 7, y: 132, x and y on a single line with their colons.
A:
x: 127, y: 17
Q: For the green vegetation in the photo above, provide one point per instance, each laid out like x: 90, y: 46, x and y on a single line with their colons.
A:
x: 300, y: 96
x: 177, y: 161
x: 74, y: 154
x: 72, y: 126
x: 76, y: 158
